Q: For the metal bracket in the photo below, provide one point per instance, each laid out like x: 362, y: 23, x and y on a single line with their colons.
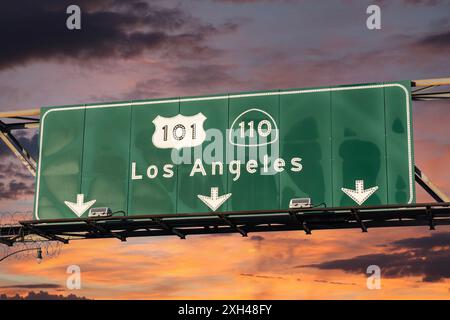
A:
x: 43, y: 234
x: 429, y: 187
x: 7, y: 242
x: 306, y: 228
x: 232, y: 225
x: 103, y: 230
x: 431, y: 218
x: 304, y: 225
x: 167, y: 227
x: 399, y: 215
x: 423, y: 92
x: 358, y: 219
x: 18, y: 150
x: 431, y: 96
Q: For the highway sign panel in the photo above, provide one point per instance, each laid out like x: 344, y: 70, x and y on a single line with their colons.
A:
x: 337, y: 146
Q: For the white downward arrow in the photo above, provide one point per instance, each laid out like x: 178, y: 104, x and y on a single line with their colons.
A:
x: 359, y: 195
x: 214, y: 201
x: 80, y: 207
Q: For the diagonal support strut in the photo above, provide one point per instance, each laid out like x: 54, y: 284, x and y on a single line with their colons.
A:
x: 429, y: 187
x: 19, y: 151
x: 43, y: 234
x: 168, y: 228
x: 358, y: 219
x: 103, y: 230
x: 232, y: 225
x: 304, y: 225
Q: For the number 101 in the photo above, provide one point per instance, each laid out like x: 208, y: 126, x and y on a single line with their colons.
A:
x: 179, y: 132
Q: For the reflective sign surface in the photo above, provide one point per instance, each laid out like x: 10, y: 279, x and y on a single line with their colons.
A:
x: 337, y: 146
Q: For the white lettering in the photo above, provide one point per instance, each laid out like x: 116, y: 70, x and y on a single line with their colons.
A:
x: 135, y: 176
x: 251, y: 166
x: 296, y: 165
x: 235, y: 168
x: 198, y: 167
x: 217, y: 164
x: 151, y: 174
x: 279, y: 164
x: 168, y: 171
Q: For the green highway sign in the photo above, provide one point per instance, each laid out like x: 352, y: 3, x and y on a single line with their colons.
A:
x: 332, y: 146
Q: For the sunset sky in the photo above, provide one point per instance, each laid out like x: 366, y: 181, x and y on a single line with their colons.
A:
x: 147, y: 49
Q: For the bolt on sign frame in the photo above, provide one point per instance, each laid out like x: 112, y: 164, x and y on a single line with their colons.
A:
x: 341, y: 115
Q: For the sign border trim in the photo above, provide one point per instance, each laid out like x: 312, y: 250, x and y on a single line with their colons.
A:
x: 234, y: 96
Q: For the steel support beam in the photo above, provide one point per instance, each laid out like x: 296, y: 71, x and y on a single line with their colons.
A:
x: 423, y: 93
x: 429, y: 187
x: 358, y: 219
x: 232, y: 225
x: 431, y: 96
x: 44, y: 234
x: 303, y: 225
x: 364, y: 218
x: 20, y: 152
x: 168, y: 228
x: 431, y: 217
x: 20, y: 113
x: 7, y: 242
x: 306, y: 228
x: 421, y: 89
x: 100, y: 229
x: 22, y: 125
x: 431, y: 82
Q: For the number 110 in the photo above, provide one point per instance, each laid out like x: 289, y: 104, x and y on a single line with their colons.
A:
x: 264, y: 128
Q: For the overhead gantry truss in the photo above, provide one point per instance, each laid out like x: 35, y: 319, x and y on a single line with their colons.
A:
x: 19, y: 120
x: 431, y: 89
x: 306, y: 220
x: 244, y: 222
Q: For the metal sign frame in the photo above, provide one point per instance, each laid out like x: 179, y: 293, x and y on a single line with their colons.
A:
x: 243, y: 222
x: 181, y: 225
x: 45, y: 123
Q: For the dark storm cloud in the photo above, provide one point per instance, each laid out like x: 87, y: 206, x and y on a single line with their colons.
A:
x: 30, y: 143
x: 16, y: 182
x: 198, y: 76
x: 259, y: 1
x: 41, y: 295
x: 440, y: 40
x: 13, y: 169
x: 13, y: 190
x: 36, y: 30
x: 409, y: 2
x: 425, y: 243
x: 187, y: 79
x: 423, y: 2
x: 244, y: 1
x: 428, y: 257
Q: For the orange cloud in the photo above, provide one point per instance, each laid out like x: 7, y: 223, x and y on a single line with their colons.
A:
x: 261, y: 266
